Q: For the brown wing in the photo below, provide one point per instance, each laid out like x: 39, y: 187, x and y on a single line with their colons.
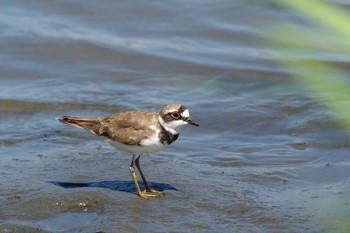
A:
x: 89, y: 123
x: 129, y: 127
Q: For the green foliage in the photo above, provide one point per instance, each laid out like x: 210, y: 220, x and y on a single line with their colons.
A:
x: 325, y: 30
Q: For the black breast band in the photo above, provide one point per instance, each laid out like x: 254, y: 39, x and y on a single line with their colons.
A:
x: 167, y: 137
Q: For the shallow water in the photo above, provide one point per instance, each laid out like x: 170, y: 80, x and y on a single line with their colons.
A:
x: 267, y: 157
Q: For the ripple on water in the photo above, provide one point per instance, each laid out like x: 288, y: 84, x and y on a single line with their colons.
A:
x: 61, y: 222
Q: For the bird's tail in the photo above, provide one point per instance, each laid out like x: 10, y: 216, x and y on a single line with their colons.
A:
x: 90, y: 123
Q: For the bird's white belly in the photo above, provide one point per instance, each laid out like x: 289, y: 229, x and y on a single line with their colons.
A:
x: 147, y: 146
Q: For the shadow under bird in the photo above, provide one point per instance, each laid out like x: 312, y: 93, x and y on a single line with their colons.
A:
x: 138, y: 132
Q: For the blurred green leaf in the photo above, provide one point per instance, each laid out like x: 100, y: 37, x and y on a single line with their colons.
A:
x: 300, y: 46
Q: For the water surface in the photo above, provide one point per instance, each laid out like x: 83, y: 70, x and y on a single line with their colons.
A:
x: 266, y: 158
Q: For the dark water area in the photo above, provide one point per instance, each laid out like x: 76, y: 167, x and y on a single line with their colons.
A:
x: 267, y: 156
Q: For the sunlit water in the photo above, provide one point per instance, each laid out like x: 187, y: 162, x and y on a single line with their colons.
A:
x: 266, y: 158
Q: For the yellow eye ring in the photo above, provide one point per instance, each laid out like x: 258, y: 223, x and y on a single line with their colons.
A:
x: 175, y: 115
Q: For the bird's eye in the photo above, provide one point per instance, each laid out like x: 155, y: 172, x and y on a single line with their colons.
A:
x: 175, y: 115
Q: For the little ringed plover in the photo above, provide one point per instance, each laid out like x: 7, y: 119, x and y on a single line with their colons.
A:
x: 138, y: 132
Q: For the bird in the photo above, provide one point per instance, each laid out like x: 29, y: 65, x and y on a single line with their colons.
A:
x: 138, y: 133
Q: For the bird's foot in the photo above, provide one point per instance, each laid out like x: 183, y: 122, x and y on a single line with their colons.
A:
x: 151, y: 193
x: 159, y: 193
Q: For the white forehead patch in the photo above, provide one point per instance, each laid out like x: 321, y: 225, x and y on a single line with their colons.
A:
x: 185, y: 114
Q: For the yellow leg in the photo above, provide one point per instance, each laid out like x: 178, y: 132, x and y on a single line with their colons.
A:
x: 132, y: 171
x: 148, y: 189
x: 148, y: 192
